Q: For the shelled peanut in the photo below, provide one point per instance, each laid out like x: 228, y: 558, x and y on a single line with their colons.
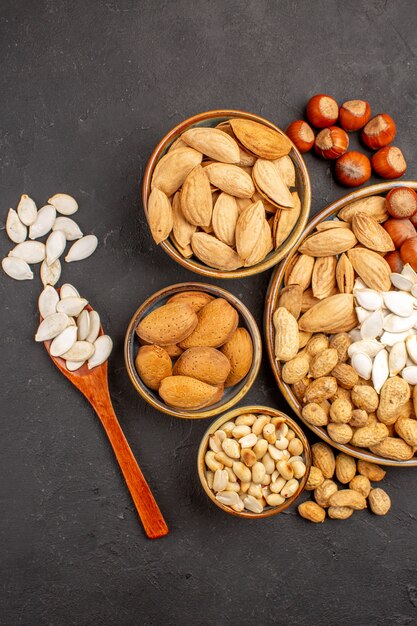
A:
x: 341, y: 486
x: 254, y: 462
x: 194, y: 348
x: 226, y: 195
x: 338, y: 349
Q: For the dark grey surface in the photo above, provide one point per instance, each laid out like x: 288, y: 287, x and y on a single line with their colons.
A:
x: 87, y: 89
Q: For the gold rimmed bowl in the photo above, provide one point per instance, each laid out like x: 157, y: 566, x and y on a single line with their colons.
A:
x: 303, y: 188
x: 276, y: 285
x: 231, y: 395
x: 231, y: 415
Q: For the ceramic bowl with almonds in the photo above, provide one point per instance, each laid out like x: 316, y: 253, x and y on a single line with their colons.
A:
x: 341, y: 324
x: 226, y: 194
x: 192, y: 350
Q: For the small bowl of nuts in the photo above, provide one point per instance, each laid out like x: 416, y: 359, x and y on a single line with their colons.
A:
x: 192, y: 350
x: 226, y: 194
x: 254, y: 462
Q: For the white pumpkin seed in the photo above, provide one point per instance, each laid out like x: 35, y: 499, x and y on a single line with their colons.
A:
x: 16, y: 268
x: 397, y: 358
x: 389, y: 339
x: 64, y: 204
x: 43, y: 223
x: 82, y: 248
x: 50, y: 274
x: 29, y: 251
x: 51, y: 326
x: 26, y: 210
x: 362, y: 364
x: 414, y: 291
x: 355, y: 335
x: 64, y: 341
x: 71, y: 306
x: 380, y: 370
x: 83, y: 324
x: 15, y: 229
x: 371, y: 347
x: 409, y: 273
x: 399, y: 302
x: 372, y: 326
x: 80, y: 351
x: 55, y: 246
x: 358, y: 284
x: 47, y: 301
x: 362, y: 314
x: 72, y: 366
x: 94, y: 326
x: 102, y: 348
x: 396, y: 324
x: 410, y: 375
x: 68, y: 291
x: 369, y: 299
x: 70, y: 228
x: 401, y: 282
x: 411, y: 345
x: 71, y: 321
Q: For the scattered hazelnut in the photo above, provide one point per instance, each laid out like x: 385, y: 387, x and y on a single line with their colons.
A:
x: 379, y: 132
x: 401, y: 202
x: 322, y: 111
x: 353, y: 169
x: 408, y: 252
x: 354, y: 114
x: 399, y: 230
x: 394, y: 261
x: 389, y: 162
x: 331, y: 142
x: 301, y: 134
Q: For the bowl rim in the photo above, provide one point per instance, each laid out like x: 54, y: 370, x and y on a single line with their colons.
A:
x: 275, y: 256
x: 242, y: 388
x: 272, y: 294
x: 230, y: 415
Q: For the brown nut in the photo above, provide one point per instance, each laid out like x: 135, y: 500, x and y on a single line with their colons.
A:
x: 339, y: 512
x: 320, y: 389
x: 323, y: 458
x: 372, y: 471
x: 312, y: 512
x: 315, y: 478
x: 348, y: 497
x: 365, y: 397
x: 323, y: 493
x: 153, y: 364
x: 317, y: 344
x: 341, y: 411
x: 345, y: 468
x: 314, y: 414
x: 340, y: 433
x: 323, y: 363
x: 368, y: 436
x: 379, y: 501
x: 345, y: 375
x: 359, y: 418
x: 341, y: 343
x: 295, y: 370
x: 362, y: 484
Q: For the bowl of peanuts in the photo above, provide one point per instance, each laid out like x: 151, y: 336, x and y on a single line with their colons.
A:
x: 254, y: 462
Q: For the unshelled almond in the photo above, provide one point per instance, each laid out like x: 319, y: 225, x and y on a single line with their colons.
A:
x: 328, y: 314
x: 323, y: 279
x: 188, y: 393
x: 239, y: 351
x: 153, y: 365
x: 217, y: 321
x: 373, y: 205
x: 371, y: 234
x: 168, y: 324
x: 196, y: 299
x: 328, y: 242
x: 203, y: 363
x: 371, y: 267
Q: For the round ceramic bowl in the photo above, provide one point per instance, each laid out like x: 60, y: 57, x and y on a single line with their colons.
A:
x: 231, y: 395
x: 212, y: 118
x: 274, y: 289
x: 268, y: 511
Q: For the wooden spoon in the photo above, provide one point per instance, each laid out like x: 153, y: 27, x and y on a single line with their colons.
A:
x: 94, y: 385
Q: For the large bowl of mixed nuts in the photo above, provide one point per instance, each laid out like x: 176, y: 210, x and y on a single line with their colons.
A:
x: 226, y: 194
x: 192, y: 350
x: 341, y: 324
x: 254, y: 462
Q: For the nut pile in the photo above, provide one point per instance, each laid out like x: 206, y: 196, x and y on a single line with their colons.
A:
x: 254, y: 462
x: 28, y: 220
x: 353, y: 168
x: 226, y: 194
x: 324, y: 327
x: 355, y: 481
x: 71, y: 328
x: 201, y: 334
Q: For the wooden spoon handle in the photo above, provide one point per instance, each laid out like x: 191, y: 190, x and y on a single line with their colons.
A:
x: 152, y: 519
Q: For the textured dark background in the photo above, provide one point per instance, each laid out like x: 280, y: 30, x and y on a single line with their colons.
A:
x: 87, y: 89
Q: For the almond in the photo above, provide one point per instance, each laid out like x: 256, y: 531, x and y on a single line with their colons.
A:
x: 196, y: 299
x: 301, y: 272
x: 291, y: 298
x: 196, y: 201
x: 153, y: 364
x: 328, y: 242
x: 206, y: 364
x: 159, y: 215
x: 268, y: 181
x: 188, y: 393
x: 265, y: 142
x: 170, y: 323
x: 328, y: 315
x: 225, y: 216
x: 173, y: 168
x: 185, y: 251
x: 286, y: 220
x: 345, y: 275
x: 217, y: 322
x: 286, y: 334
x: 263, y: 246
x: 248, y: 229
x: 214, y: 252
x: 182, y: 229
x: 286, y: 170
x: 231, y: 179
x: 323, y: 279
x: 373, y: 206
x: 239, y: 350
x: 371, y: 234
x: 213, y: 142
